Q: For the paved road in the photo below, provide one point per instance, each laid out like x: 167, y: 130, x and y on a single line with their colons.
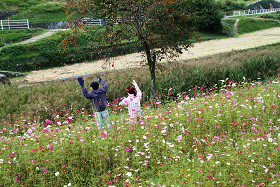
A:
x: 50, y: 32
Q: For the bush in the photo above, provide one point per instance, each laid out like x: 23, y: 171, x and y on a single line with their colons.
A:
x: 12, y: 50
x: 229, y: 5
x: 209, y: 15
x: 275, y: 15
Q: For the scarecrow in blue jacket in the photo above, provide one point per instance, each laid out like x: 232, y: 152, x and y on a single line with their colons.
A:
x: 98, y: 100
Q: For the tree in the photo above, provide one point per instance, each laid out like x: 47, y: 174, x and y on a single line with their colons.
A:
x: 208, y: 15
x: 163, y: 28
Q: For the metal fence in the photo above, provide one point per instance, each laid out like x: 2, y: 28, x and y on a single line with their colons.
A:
x: 251, y: 12
x: 93, y: 22
x: 14, y: 24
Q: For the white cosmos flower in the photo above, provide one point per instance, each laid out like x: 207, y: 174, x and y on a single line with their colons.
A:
x: 56, y: 173
x: 129, y: 174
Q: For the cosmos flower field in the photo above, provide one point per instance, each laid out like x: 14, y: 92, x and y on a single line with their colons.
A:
x: 228, y: 138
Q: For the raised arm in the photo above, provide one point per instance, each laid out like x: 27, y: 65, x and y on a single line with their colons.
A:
x: 123, y: 102
x: 139, y: 93
x: 84, y: 90
x: 104, y: 84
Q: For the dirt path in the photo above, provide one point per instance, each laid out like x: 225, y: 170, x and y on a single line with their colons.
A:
x: 202, y: 49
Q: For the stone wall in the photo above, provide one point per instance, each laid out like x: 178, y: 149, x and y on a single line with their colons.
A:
x: 50, y: 25
x: 5, y: 14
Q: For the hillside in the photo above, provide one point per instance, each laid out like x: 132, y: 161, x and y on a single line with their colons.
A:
x: 203, y: 49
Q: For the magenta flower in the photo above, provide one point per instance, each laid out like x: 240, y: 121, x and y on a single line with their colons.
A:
x: 210, y: 177
x: 45, y: 171
x: 186, y: 182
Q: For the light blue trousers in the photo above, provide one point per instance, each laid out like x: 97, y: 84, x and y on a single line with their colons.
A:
x: 102, y: 118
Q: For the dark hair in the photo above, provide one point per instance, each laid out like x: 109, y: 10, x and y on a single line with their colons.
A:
x: 94, y: 85
x: 131, y: 90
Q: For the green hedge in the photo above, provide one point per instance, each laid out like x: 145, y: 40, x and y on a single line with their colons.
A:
x: 246, y: 25
x: 275, y: 15
x: 14, y: 36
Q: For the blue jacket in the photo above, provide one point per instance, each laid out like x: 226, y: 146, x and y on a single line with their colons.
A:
x: 98, y: 96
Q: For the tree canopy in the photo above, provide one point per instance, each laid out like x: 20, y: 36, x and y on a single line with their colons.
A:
x: 163, y: 28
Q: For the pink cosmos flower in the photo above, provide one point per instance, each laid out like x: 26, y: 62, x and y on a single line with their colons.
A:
x: 210, y: 177
x: 45, y: 171
x: 186, y: 182
x: 179, y: 138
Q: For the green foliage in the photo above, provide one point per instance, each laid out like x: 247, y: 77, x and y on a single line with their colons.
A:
x: 208, y: 15
x: 18, y: 4
x: 13, y: 50
x: 230, y: 5
x: 14, y: 36
x: 37, y: 55
x: 228, y: 25
x: 45, y: 12
x: 274, y: 15
x: 246, y: 25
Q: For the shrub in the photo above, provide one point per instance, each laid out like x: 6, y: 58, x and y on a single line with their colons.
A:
x: 209, y: 15
x: 275, y: 15
x: 13, y: 50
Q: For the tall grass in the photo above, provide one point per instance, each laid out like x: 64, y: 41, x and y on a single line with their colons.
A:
x: 230, y: 138
x: 188, y: 76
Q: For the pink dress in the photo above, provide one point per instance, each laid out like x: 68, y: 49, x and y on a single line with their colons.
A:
x: 133, y: 103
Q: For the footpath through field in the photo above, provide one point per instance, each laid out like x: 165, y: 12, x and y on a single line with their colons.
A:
x: 203, y: 49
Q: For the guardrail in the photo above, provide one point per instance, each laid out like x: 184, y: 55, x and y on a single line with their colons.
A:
x: 251, y: 12
x: 14, y: 24
x: 93, y: 22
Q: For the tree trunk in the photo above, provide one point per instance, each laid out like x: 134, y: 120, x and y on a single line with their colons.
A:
x: 151, y: 58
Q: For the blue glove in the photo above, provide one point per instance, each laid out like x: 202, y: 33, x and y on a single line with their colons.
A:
x: 98, y: 78
x: 81, y: 81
